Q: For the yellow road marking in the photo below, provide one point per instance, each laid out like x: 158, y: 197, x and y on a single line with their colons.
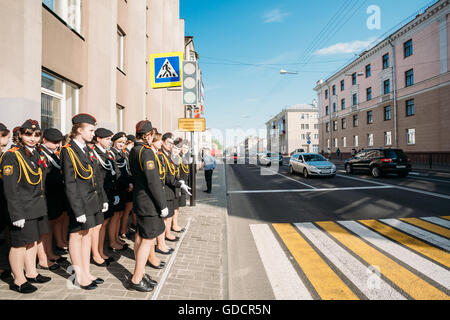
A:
x: 427, y: 250
x: 325, y: 281
x: 402, y: 277
x: 428, y: 226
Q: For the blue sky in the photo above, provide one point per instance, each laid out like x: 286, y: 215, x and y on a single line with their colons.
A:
x: 243, y: 44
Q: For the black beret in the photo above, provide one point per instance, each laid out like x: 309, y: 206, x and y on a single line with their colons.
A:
x: 103, y: 133
x: 119, y: 135
x: 31, y: 124
x: 2, y: 127
x: 84, y: 118
x: 16, y: 131
x: 131, y: 137
x: 143, y: 127
x: 53, y: 135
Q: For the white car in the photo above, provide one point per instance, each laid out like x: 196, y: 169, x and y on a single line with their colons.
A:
x: 311, y: 164
x: 266, y: 159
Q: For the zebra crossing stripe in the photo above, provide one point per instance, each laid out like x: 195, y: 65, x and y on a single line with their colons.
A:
x: 285, y: 282
x: 431, y: 252
x: 325, y: 281
x: 406, y: 280
x: 419, y: 233
x: 424, y: 266
x: 363, y: 277
x: 428, y: 226
x: 438, y: 221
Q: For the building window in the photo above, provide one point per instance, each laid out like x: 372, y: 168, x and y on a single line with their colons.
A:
x: 327, y: 111
x: 342, y: 85
x: 328, y: 143
x: 120, y: 49
x: 386, y: 61
x: 388, y: 138
x: 387, y: 113
x: 334, y: 90
x: 335, y: 126
x: 307, y: 126
x: 316, y: 126
x: 303, y: 136
x: 334, y: 107
x: 68, y: 10
x: 368, y: 71
x: 335, y: 142
x: 344, y: 123
x: 316, y: 136
x: 369, y: 94
x: 326, y: 94
x: 344, y: 142
x: 410, y: 136
x: 369, y: 117
x: 410, y: 108
x: 408, y: 48
x: 343, y: 104
x: 316, y: 148
x: 354, y: 79
x: 355, y: 99
x: 387, y: 86
x: 355, y: 141
x: 370, y: 140
x: 409, y: 77
x: 59, y: 102
x: 355, y: 120
x: 327, y: 127
x: 303, y: 116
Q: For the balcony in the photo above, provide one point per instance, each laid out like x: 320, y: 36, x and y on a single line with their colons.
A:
x: 386, y: 97
x: 354, y: 108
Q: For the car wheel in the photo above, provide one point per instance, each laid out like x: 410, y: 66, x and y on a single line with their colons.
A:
x: 349, y: 169
x: 291, y: 170
x: 402, y: 174
x: 376, y: 172
x: 305, y: 173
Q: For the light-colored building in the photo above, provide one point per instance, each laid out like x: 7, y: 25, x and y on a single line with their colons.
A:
x: 62, y: 57
x: 293, y: 128
x: 396, y: 94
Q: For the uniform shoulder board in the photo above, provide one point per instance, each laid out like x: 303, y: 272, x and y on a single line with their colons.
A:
x: 13, y: 149
x: 66, y: 146
x: 146, y: 146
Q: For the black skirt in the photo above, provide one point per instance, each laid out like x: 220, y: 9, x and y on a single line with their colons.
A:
x: 150, y: 227
x: 171, y: 207
x: 31, y: 232
x: 91, y: 222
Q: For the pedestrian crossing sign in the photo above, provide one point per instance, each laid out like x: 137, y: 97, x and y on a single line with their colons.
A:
x: 166, y: 70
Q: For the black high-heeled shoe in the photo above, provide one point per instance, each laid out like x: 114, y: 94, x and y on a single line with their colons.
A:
x: 103, y: 264
x: 170, y: 251
x: 160, y: 266
x: 90, y: 286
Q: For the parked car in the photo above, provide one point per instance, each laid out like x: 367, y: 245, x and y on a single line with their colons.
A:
x: 297, y: 151
x: 379, y: 161
x: 266, y: 159
x: 311, y: 164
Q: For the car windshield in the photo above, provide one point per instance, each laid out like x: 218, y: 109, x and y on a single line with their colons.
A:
x: 394, y: 154
x: 313, y: 157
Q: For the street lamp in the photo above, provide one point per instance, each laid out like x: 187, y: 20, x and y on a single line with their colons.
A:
x: 283, y: 72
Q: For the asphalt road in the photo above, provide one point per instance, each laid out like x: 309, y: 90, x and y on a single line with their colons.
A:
x: 266, y: 203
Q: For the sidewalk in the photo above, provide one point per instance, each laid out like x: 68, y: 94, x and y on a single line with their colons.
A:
x: 196, y: 270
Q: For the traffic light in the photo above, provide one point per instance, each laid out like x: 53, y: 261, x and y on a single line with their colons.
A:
x: 190, y: 83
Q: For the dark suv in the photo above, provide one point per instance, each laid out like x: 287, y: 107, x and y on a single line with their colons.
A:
x: 380, y: 161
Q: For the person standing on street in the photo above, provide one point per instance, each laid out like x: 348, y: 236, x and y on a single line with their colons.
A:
x: 209, y: 164
x: 5, y: 135
x: 338, y: 153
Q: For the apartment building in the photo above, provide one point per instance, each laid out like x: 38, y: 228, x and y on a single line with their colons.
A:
x: 295, y: 127
x: 396, y: 94
x: 62, y: 57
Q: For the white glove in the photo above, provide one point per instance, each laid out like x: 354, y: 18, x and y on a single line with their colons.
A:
x: 182, y: 181
x: 82, y: 219
x: 164, y: 213
x: 116, y: 200
x: 186, y: 189
x: 105, y: 207
x: 19, y: 224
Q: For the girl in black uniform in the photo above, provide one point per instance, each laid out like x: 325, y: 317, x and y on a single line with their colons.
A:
x: 149, y: 203
x: 109, y: 173
x: 87, y: 198
x: 125, y: 185
x: 174, y: 185
x: 23, y: 174
x: 4, y: 140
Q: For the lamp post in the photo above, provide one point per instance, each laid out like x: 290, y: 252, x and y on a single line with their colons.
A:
x: 283, y: 72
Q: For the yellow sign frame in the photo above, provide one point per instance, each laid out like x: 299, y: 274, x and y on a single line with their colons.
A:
x: 155, y: 85
x: 192, y: 124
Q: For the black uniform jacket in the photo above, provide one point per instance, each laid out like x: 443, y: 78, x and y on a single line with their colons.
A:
x: 24, y: 188
x: 172, y: 183
x: 84, y: 191
x: 184, y: 169
x: 148, y: 193
x: 3, y: 205
x: 109, y: 177
x: 54, y: 184
x: 121, y: 159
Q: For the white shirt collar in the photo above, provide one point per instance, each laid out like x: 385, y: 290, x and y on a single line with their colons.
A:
x: 30, y: 149
x: 79, y: 144
x: 43, y: 146
x: 101, y: 149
